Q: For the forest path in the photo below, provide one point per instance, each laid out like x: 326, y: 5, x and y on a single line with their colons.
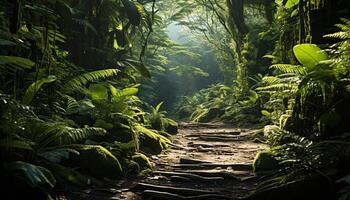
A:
x: 207, y: 161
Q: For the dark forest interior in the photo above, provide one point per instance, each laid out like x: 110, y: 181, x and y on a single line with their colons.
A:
x: 175, y: 99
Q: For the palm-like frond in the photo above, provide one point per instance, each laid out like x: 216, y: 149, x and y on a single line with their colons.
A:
x: 344, y: 34
x: 81, y: 80
x: 288, y: 68
x: 72, y: 105
x: 52, y: 133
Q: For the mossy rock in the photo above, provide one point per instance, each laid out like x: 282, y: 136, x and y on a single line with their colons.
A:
x: 265, y: 161
x: 120, y: 135
x: 171, y: 126
x: 157, y: 124
x: 151, y: 145
x: 66, y: 175
x: 130, y: 167
x: 96, y: 161
x: 142, y: 161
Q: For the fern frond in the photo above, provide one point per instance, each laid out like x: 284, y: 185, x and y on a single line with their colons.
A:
x: 278, y: 87
x: 339, y: 35
x: 288, y: 68
x: 72, y: 105
x: 83, y: 79
x: 271, y: 79
x: 45, y: 134
x: 344, y: 34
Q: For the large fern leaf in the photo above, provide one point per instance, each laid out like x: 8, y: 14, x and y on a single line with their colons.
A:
x: 81, y: 80
x: 46, y: 134
x: 288, y: 68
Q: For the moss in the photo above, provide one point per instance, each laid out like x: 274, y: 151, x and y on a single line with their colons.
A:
x: 129, y: 166
x: 151, y: 141
x: 142, y: 161
x: 264, y: 161
x: 145, y: 172
x: 171, y: 126
x: 96, y: 161
x: 151, y: 145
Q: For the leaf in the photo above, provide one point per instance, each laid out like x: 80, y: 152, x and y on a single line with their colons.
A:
x: 83, y: 79
x: 294, y: 13
x: 36, y: 176
x: 22, y: 62
x: 8, y: 143
x: 35, y: 87
x: 97, y: 92
x: 138, y: 66
x: 4, y: 42
x: 103, y: 124
x: 57, y: 155
x: 132, y: 11
x: 265, y: 113
x: 158, y: 106
x: 309, y: 55
x: 126, y: 92
x: 291, y: 3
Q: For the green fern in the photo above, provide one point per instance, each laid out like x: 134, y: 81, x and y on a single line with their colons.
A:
x: 46, y: 134
x: 288, y: 68
x: 344, y: 34
x: 72, y: 105
x: 81, y: 80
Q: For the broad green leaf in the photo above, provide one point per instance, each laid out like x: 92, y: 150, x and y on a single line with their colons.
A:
x: 126, y: 92
x: 4, y: 42
x: 291, y: 3
x: 57, y: 155
x: 36, y: 176
x: 309, y: 55
x: 6, y: 143
x: 138, y: 66
x: 35, y: 87
x: 97, y: 92
x: 265, y: 113
x: 22, y: 62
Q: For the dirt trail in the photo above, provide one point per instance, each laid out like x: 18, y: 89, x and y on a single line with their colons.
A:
x: 207, y: 161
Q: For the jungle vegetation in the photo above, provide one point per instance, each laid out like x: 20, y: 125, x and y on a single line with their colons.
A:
x: 86, y: 82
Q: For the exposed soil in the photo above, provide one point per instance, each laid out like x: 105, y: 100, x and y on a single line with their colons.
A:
x: 207, y: 161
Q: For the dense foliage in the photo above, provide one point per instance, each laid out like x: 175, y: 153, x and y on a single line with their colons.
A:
x: 83, y: 84
x: 69, y: 106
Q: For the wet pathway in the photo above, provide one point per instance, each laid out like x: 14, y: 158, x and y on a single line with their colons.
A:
x: 207, y: 161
